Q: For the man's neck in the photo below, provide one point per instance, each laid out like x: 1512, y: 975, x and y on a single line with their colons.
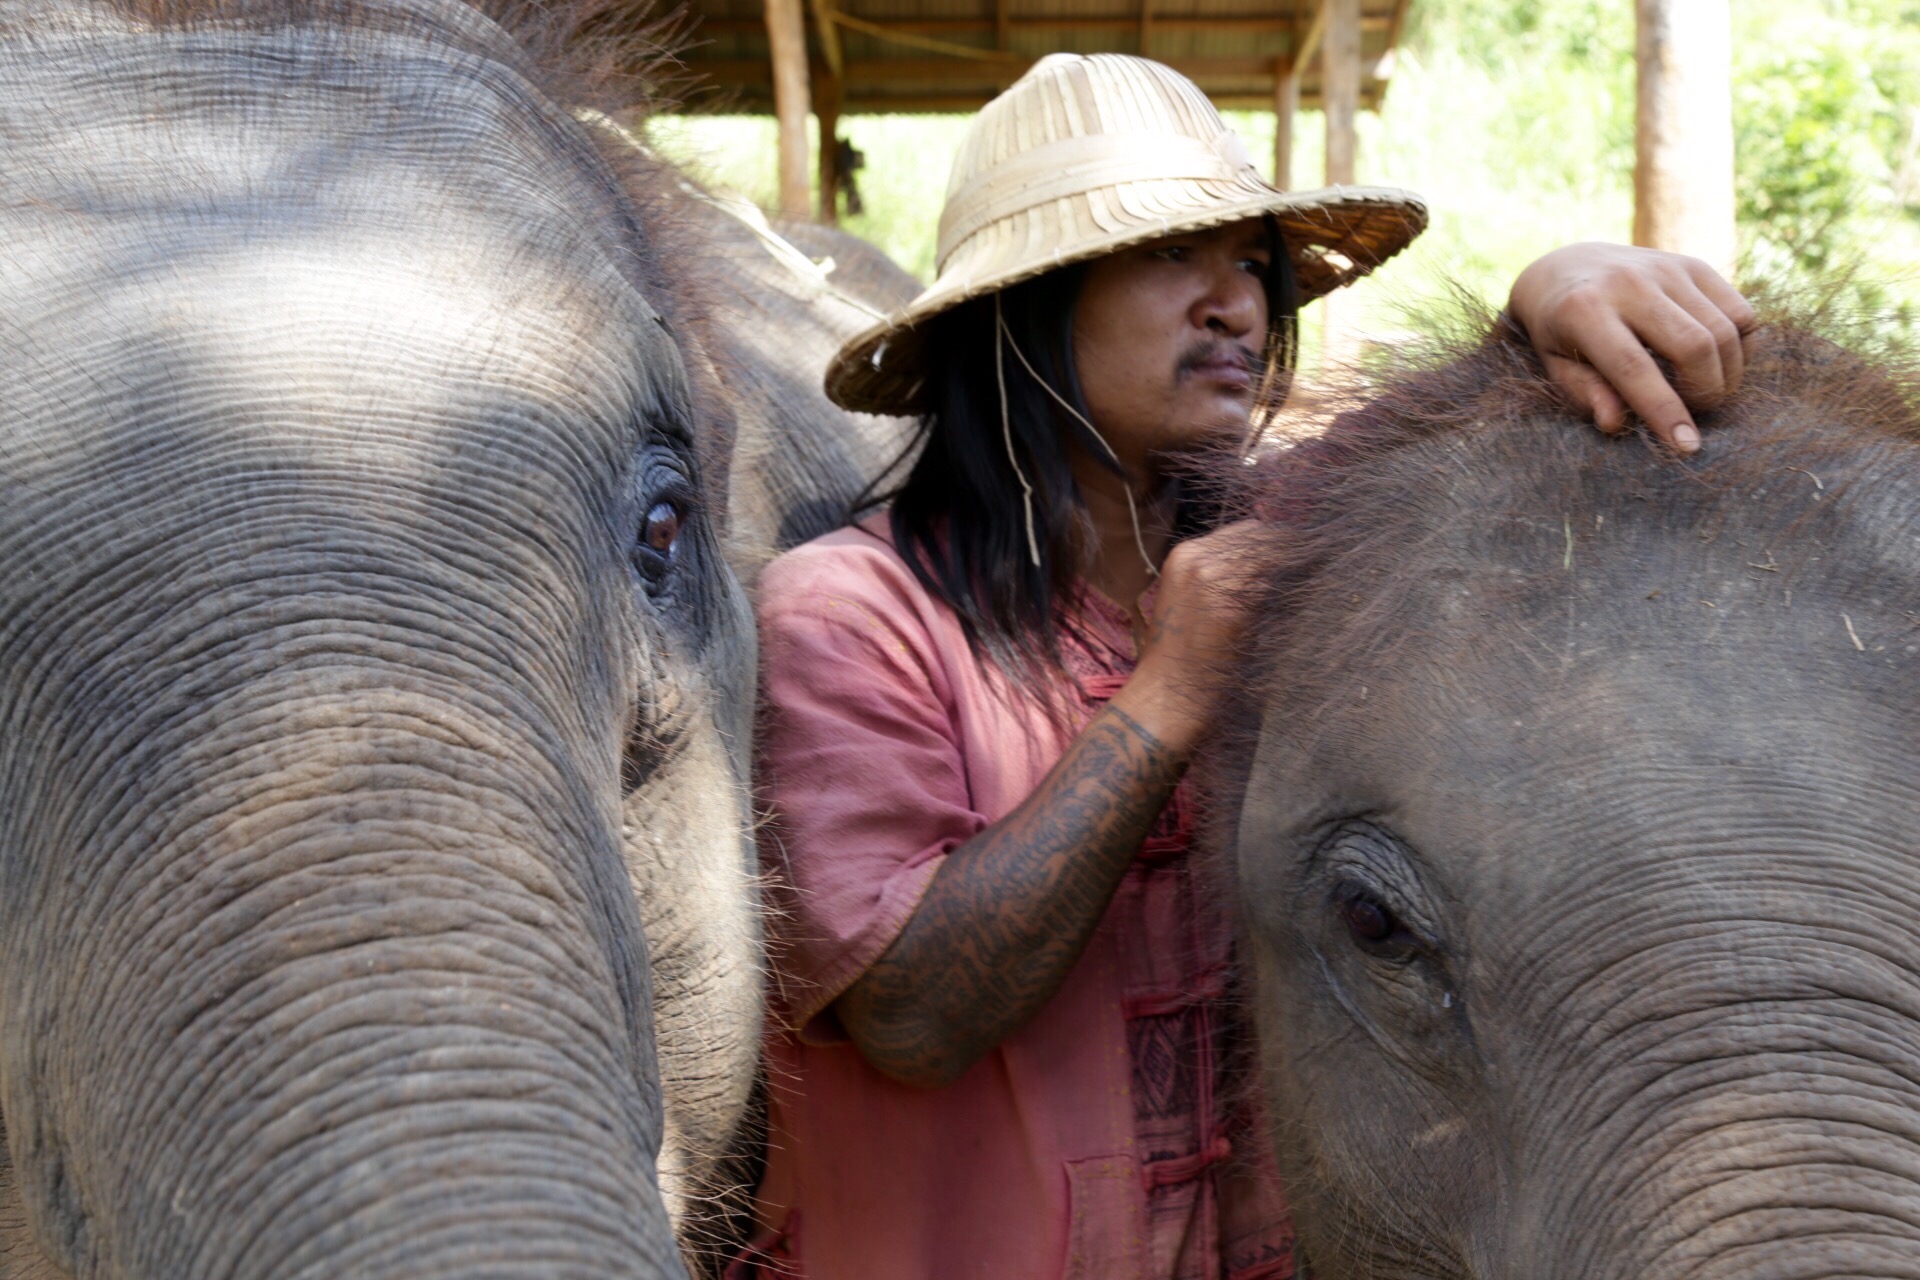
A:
x: 1115, y: 564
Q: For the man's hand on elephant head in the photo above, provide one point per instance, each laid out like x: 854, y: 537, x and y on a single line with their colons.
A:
x: 1600, y: 314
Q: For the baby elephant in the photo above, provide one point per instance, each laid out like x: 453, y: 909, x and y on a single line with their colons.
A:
x: 1576, y: 825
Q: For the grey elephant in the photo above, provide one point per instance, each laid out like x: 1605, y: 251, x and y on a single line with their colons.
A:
x: 1576, y: 824
x: 797, y: 466
x: 375, y: 883
x: 799, y: 462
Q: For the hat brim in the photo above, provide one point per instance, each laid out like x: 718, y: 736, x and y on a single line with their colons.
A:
x: 1334, y: 234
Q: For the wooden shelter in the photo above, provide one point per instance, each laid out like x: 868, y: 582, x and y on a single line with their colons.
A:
x: 837, y: 57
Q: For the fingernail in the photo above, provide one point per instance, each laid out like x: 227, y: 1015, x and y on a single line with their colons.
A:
x: 1686, y: 438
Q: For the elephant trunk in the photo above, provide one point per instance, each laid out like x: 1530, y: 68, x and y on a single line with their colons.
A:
x: 701, y: 916
x: 1792, y: 1197
x: 356, y: 989
x: 1752, y: 1114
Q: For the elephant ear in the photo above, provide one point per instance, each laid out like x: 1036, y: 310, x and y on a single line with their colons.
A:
x: 20, y: 1257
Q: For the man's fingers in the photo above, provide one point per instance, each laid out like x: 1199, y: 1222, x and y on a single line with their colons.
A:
x: 1618, y: 356
x: 1728, y: 337
x: 1671, y: 331
x: 1727, y: 301
x: 1725, y: 298
x: 1610, y: 322
x: 1582, y: 384
x: 1227, y: 559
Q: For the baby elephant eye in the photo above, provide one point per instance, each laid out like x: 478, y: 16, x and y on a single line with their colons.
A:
x: 653, y: 553
x: 662, y: 528
x: 1367, y: 920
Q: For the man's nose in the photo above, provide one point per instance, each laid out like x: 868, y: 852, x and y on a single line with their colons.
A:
x: 1232, y: 308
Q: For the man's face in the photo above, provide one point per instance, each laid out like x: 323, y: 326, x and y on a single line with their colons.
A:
x: 1167, y: 337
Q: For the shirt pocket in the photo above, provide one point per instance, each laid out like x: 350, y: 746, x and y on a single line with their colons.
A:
x: 1106, y: 1219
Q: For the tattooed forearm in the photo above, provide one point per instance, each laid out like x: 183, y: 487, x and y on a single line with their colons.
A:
x: 1009, y: 912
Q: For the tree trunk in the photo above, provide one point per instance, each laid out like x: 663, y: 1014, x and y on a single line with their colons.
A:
x: 1683, y: 170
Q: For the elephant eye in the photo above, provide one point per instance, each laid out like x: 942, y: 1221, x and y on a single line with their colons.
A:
x: 662, y: 529
x: 1368, y: 920
x: 659, y: 539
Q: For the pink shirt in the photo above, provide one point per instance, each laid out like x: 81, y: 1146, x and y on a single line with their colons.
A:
x: 1100, y: 1140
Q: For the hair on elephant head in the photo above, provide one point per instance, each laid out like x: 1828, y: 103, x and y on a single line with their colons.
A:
x: 367, y: 650
x: 1576, y: 826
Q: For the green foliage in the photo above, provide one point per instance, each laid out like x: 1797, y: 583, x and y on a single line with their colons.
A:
x: 1827, y: 135
x: 1515, y: 120
x: 1807, y: 152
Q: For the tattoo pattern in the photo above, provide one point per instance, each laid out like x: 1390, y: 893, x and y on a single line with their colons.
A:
x: 1009, y: 912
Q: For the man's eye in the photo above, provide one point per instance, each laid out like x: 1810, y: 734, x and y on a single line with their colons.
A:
x: 1254, y: 266
x: 1172, y: 253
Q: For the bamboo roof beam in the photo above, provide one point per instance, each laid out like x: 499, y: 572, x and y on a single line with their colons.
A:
x: 1309, y: 43
x: 823, y: 18
x: 956, y: 55
x: 1004, y: 25
x: 739, y: 72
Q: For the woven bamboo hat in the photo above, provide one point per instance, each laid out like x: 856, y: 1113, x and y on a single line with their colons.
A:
x: 1086, y: 154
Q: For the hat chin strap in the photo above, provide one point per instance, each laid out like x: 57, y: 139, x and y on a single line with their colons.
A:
x: 1006, y: 434
x: 1006, y: 426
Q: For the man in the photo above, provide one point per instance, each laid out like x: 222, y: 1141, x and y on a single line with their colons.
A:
x: 1008, y: 1047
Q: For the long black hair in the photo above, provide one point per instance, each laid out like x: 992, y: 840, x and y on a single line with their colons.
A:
x: 958, y: 517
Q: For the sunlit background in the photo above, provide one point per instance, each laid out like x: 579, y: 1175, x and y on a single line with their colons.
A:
x: 1515, y: 119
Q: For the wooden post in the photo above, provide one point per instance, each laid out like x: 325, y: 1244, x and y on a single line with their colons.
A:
x: 1286, y: 104
x: 1340, y: 99
x: 787, y: 47
x: 1146, y: 28
x: 827, y: 108
x: 1340, y: 86
x: 1683, y: 136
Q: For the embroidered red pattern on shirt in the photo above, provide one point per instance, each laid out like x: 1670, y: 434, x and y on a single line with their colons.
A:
x: 1186, y: 1123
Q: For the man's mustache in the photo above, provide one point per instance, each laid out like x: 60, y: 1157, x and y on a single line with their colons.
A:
x: 1220, y: 352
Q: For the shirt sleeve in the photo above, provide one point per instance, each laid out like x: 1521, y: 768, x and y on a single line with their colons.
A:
x: 860, y: 767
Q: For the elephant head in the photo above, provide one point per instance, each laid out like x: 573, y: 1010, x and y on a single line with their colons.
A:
x: 1576, y: 827
x: 366, y: 650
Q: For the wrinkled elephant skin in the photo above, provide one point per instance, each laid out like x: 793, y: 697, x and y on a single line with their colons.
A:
x: 362, y: 580
x: 1580, y: 841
